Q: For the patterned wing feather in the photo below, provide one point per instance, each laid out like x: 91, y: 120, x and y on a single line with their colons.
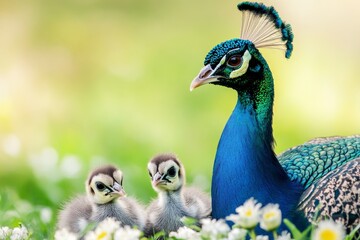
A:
x: 336, y: 195
x: 310, y: 161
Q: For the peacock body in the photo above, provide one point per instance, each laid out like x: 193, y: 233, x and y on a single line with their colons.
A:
x: 245, y: 163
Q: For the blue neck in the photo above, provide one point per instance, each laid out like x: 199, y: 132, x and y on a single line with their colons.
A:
x: 246, y: 165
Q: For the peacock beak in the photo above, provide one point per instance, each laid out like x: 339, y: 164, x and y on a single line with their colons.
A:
x: 205, y: 76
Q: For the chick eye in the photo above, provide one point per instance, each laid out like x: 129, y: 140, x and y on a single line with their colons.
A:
x: 100, y: 186
x: 150, y: 174
x: 234, y: 61
x: 171, y: 172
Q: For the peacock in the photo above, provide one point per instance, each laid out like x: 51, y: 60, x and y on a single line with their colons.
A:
x: 318, y: 179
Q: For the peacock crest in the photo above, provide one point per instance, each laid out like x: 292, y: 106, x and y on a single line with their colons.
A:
x: 263, y: 26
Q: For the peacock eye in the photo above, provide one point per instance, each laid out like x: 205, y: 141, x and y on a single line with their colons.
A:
x: 171, y: 172
x: 100, y: 186
x: 234, y: 61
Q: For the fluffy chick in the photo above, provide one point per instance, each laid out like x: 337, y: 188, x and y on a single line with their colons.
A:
x: 174, y: 200
x: 105, y: 198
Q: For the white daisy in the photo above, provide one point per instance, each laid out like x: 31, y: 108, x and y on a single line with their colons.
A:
x: 213, y: 228
x: 91, y: 236
x: 237, y: 234
x: 262, y: 237
x: 104, y: 231
x: 270, y: 217
x: 185, y: 233
x: 64, y: 234
x: 5, y: 232
x: 127, y: 233
x: 19, y: 233
x: 235, y: 218
x: 109, y: 225
x: 248, y: 214
x: 284, y: 236
x: 99, y: 235
x: 329, y: 230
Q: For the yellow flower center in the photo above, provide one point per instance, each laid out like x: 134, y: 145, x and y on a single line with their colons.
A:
x: 101, y: 235
x: 248, y: 213
x: 327, y: 234
x: 269, y: 215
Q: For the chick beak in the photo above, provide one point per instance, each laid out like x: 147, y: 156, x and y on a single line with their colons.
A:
x: 205, y: 76
x: 117, y: 189
x: 157, y: 178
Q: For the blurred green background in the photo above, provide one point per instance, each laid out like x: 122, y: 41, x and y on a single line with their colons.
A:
x: 88, y: 82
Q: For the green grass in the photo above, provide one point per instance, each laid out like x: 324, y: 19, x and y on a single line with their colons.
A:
x: 16, y: 211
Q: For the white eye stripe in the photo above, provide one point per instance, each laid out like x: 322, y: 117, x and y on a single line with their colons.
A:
x: 233, y: 50
x: 244, y: 67
x: 223, y: 59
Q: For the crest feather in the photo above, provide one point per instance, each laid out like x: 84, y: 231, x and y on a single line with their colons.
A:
x: 263, y: 26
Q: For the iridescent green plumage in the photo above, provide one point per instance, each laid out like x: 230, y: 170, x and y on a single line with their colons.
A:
x: 218, y: 52
x: 308, y: 162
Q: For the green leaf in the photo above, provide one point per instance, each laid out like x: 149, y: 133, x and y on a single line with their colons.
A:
x: 295, y: 232
x: 188, y: 221
x: 159, y: 235
x: 353, y: 232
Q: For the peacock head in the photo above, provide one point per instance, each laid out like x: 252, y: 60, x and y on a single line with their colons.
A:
x: 232, y: 63
x: 237, y: 62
